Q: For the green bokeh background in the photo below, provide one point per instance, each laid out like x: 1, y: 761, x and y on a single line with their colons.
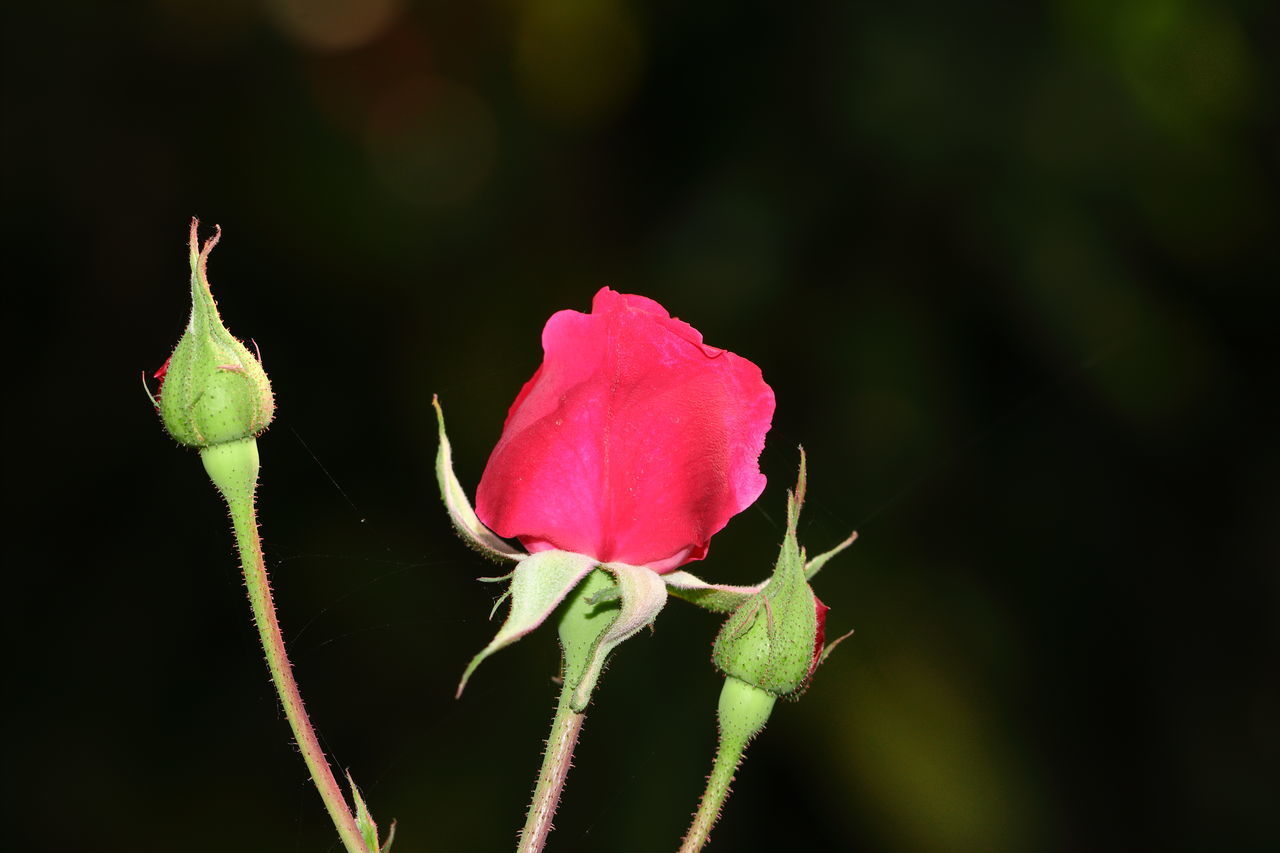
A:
x: 1009, y: 267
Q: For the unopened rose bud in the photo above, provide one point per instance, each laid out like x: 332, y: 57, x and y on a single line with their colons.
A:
x: 770, y: 641
x: 776, y: 638
x: 213, y: 390
x: 768, y: 648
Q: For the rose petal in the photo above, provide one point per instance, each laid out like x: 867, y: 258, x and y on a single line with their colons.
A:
x: 634, y: 442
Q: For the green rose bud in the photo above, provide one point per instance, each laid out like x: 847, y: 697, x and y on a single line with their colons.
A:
x: 213, y: 390
x: 769, y: 640
x: 776, y: 638
x: 768, y: 648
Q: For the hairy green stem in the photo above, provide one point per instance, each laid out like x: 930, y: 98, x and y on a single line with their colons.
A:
x: 744, y: 710
x: 728, y: 757
x: 233, y: 467
x: 556, y: 762
x: 582, y: 621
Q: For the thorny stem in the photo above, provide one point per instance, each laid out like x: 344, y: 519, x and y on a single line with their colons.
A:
x: 744, y: 709
x: 244, y: 520
x: 555, y: 768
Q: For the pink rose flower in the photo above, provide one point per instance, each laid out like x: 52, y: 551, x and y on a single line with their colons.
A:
x: 634, y: 442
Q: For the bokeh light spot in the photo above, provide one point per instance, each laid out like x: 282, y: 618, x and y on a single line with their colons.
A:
x: 578, y: 61
x: 941, y: 775
x: 431, y: 142
x: 333, y: 25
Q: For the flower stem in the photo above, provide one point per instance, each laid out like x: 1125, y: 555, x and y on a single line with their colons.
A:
x: 582, y: 622
x: 744, y: 710
x: 233, y: 467
x: 555, y: 769
x: 726, y: 764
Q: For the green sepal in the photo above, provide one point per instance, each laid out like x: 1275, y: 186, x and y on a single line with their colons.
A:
x: 538, y: 585
x: 812, y: 567
x: 640, y: 596
x: 718, y: 598
x: 365, y: 824
x: 463, y: 516
x: 583, y: 621
x: 831, y: 646
x: 612, y: 592
x: 213, y: 389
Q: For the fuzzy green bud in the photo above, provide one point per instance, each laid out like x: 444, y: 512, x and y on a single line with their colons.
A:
x: 769, y: 640
x: 213, y: 390
x: 775, y: 639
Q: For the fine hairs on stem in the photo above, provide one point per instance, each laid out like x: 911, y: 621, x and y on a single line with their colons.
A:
x: 556, y: 762
x: 744, y: 710
x: 233, y: 467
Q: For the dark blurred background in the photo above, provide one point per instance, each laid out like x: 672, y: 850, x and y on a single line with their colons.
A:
x: 1009, y: 267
